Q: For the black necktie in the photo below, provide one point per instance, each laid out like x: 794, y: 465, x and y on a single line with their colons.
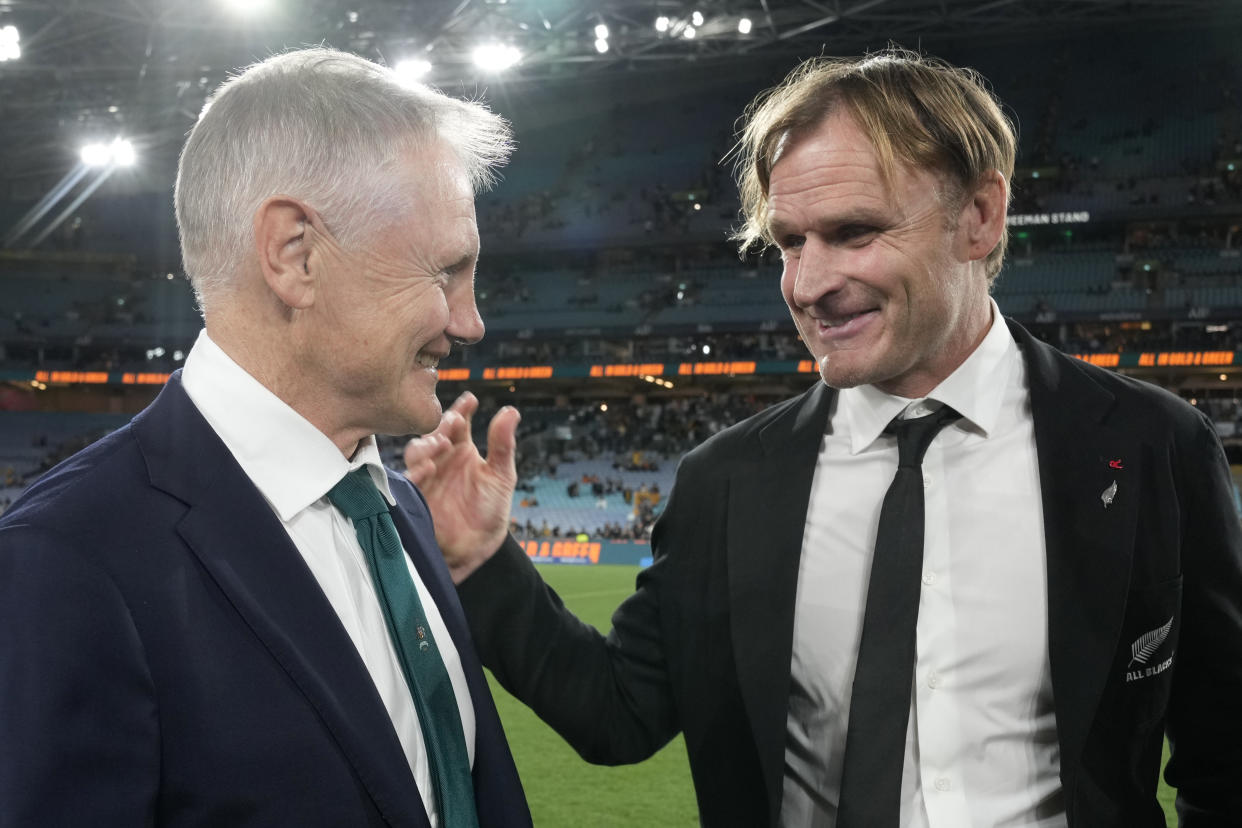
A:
x: 875, y: 743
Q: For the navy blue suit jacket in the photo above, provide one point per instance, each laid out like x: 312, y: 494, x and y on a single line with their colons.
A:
x: 167, y: 658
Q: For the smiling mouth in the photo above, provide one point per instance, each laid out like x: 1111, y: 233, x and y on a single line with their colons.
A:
x: 427, y: 361
x: 843, y: 320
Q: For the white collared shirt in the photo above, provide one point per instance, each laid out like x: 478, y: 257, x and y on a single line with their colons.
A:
x: 293, y: 465
x: 981, y: 746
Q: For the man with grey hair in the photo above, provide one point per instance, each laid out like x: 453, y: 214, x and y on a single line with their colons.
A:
x: 963, y: 580
x: 228, y: 612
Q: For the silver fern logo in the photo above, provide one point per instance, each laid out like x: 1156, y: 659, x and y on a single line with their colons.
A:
x: 1143, y: 648
x: 1109, y: 495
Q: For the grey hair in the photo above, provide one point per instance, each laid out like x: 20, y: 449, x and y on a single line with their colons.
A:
x: 323, y: 126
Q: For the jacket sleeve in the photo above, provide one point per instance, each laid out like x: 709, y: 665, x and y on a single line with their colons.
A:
x: 608, y: 696
x: 1205, y: 713
x: 77, y: 714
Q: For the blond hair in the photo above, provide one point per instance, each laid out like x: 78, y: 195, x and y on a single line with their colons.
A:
x: 916, y: 110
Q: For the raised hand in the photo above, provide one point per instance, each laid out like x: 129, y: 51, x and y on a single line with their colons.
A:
x: 469, y: 497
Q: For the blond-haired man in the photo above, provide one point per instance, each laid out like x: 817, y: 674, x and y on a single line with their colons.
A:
x: 964, y: 580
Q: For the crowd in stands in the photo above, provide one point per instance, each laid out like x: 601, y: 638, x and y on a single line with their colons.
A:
x: 1103, y: 337
x: 634, y: 447
x: 606, y: 244
x: 601, y: 470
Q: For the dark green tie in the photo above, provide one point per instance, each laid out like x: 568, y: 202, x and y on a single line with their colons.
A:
x: 420, y: 659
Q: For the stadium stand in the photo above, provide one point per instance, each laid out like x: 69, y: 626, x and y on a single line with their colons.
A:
x: 605, y: 241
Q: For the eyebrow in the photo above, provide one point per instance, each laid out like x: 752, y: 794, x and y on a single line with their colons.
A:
x: 461, y: 263
x: 861, y: 215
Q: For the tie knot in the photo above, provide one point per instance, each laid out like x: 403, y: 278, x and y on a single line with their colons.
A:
x: 357, y: 496
x: 915, y: 434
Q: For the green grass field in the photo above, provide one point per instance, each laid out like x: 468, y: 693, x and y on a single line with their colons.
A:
x: 566, y: 792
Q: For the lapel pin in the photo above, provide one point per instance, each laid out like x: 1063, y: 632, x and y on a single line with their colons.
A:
x: 1115, y: 464
x: 1109, y: 495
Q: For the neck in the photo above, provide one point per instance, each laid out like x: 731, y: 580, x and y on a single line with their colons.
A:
x: 957, y: 347
x: 272, y: 364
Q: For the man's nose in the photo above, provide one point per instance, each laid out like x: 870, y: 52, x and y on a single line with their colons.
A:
x: 816, y: 273
x: 465, y: 324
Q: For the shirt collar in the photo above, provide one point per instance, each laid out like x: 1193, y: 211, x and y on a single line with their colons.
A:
x: 292, y: 463
x: 975, y: 390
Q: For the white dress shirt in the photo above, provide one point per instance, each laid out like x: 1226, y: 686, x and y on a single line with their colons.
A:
x: 981, y: 746
x: 293, y: 465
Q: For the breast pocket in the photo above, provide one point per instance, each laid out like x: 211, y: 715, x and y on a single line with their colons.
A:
x: 1142, y: 671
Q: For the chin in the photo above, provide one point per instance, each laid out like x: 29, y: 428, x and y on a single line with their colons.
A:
x: 846, y: 376
x: 424, y: 421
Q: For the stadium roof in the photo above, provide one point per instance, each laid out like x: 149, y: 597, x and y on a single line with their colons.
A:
x: 98, y: 69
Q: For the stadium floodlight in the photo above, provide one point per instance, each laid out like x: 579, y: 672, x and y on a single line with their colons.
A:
x: 601, y: 32
x: 247, y: 8
x: 96, y: 155
x: 495, y: 57
x: 10, y: 46
x: 601, y: 46
x: 662, y: 23
x: 744, y: 25
x: 697, y: 18
x: 122, y: 152
x: 411, y: 72
x: 119, y: 153
x: 688, y: 33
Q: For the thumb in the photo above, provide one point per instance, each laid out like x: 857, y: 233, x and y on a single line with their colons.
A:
x: 502, y: 442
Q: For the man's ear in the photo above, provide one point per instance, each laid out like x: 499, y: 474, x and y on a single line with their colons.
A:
x: 284, y: 249
x: 983, y: 216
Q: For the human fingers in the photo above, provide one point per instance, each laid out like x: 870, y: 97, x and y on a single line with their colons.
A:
x: 502, y: 441
x: 455, y: 428
x: 421, y: 473
x: 425, y: 449
x: 465, y: 405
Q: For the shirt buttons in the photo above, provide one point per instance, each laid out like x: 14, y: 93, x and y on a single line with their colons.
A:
x: 942, y: 784
x: 927, y: 481
x: 933, y: 680
x: 929, y: 578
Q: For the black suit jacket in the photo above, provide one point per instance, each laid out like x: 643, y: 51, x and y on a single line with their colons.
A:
x: 167, y: 658
x: 704, y: 644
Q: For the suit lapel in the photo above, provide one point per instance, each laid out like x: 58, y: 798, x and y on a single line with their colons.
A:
x: 242, y: 545
x: 1089, y: 475
x: 767, y: 503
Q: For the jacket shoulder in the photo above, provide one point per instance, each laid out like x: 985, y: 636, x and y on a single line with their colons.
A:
x: 1058, y: 380
x: 1141, y: 404
x: 83, y: 489
x: 741, y: 443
